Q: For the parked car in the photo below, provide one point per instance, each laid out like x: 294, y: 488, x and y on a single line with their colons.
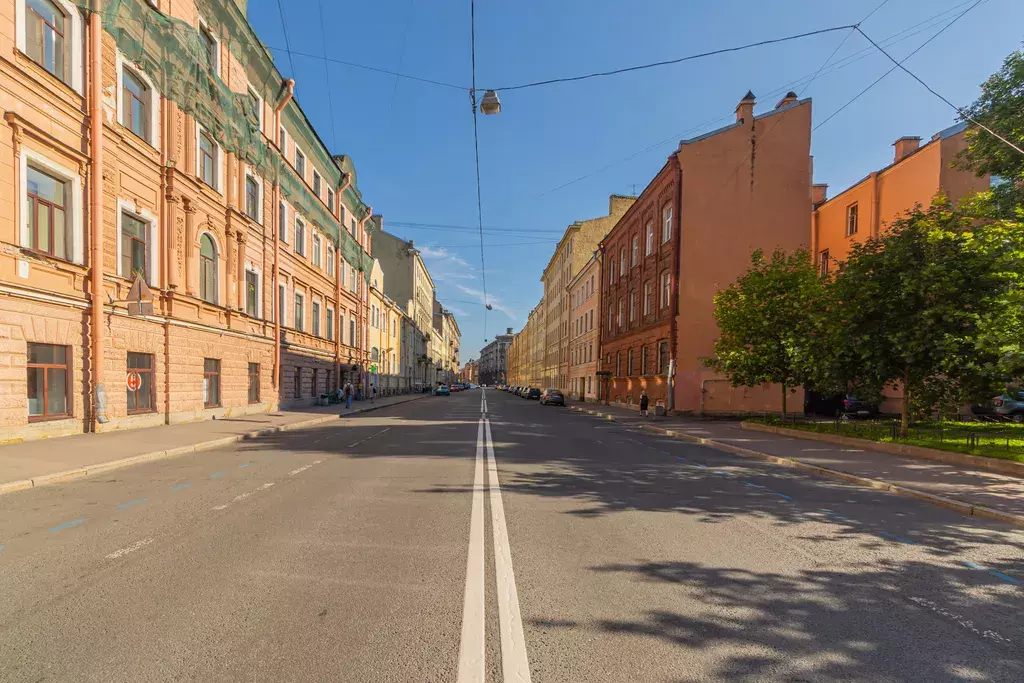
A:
x: 552, y: 397
x: 523, y: 392
x: 1007, y: 406
x: 442, y: 391
x: 533, y: 394
x: 854, y: 407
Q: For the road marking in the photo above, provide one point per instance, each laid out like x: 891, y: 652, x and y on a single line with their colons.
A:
x: 963, y: 621
x: 130, y: 503
x: 783, y: 496
x: 471, y: 646
x: 899, y: 539
x: 244, y: 464
x: 353, y: 445
x: 130, y: 549
x: 993, y: 572
x: 753, y: 485
x: 242, y: 496
x: 515, y: 665
x: 304, y: 467
x: 68, y: 525
x: 216, y: 474
x: 220, y: 507
x: 179, y: 487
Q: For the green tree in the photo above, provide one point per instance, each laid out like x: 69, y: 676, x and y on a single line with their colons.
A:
x: 765, y: 319
x: 924, y: 308
x: 1001, y: 108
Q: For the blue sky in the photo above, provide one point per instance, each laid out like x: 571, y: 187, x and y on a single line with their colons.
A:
x: 412, y: 142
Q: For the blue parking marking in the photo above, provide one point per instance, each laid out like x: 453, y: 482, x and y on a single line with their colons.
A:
x: 179, y: 487
x: 1004, y: 577
x: 244, y: 464
x: 130, y: 503
x: 753, y: 485
x: 216, y: 474
x: 783, y: 495
x: 68, y: 525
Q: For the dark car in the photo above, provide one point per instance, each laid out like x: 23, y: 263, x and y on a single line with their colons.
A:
x: 552, y: 397
x: 851, y: 407
x: 837, y: 405
x: 533, y: 394
x: 1008, y: 406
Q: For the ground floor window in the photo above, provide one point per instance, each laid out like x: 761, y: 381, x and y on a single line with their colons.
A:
x: 211, y: 383
x: 254, y: 383
x: 312, y: 385
x: 590, y: 385
x: 48, y: 375
x: 663, y: 358
x: 141, y: 400
x: 297, y: 383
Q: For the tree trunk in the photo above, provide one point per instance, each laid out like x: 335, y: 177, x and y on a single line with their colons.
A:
x: 783, y: 401
x: 905, y: 406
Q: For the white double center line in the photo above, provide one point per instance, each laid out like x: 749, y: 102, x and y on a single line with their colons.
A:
x: 515, y: 664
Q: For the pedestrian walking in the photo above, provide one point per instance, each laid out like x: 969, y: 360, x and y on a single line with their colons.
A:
x: 644, y: 402
x: 373, y: 393
x: 348, y: 395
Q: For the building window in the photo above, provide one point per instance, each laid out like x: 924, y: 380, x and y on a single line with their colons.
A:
x: 611, y: 273
x: 298, y: 313
x: 48, y: 381
x: 636, y: 250
x: 254, y: 383
x: 45, y: 31
x: 300, y: 237
x: 649, y: 240
x: 622, y: 310
x: 315, y: 312
x: 622, y: 262
x: 135, y: 104
x: 330, y: 260
x: 257, y: 107
x: 851, y: 219
x: 648, y: 297
x: 317, y: 250
x: 210, y: 48
x: 282, y: 139
x: 252, y: 198
x: 666, y: 224
x: 252, y: 293
x: 590, y: 352
x: 208, y: 159
x: 610, y: 318
x: 142, y: 399
x: 352, y: 332
x: 211, y: 383
x: 316, y: 183
x: 666, y: 288
x: 297, y: 383
x: 629, y: 363
x: 300, y: 163
x: 133, y: 247
x: 663, y: 358
x: 280, y: 303
x: 643, y: 360
x: 330, y: 323
x: 618, y: 364
x: 330, y: 200
x: 47, y: 213
x: 207, y: 269
x: 632, y: 307
x: 313, y: 382
x: 823, y: 263
x: 282, y: 221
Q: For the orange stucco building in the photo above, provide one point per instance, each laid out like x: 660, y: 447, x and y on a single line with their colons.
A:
x: 584, y: 321
x: 103, y: 178
x: 744, y: 187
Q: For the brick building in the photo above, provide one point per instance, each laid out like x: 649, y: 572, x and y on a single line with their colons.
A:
x: 254, y: 306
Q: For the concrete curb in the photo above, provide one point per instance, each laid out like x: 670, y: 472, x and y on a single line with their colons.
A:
x: 1014, y: 469
x: 965, y: 508
x: 80, y: 472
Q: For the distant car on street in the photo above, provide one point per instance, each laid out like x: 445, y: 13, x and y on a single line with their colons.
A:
x: 533, y: 394
x: 552, y: 397
x: 1007, y: 406
x: 442, y: 391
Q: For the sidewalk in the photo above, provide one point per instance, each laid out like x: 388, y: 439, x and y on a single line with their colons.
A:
x: 971, y: 491
x: 34, y: 463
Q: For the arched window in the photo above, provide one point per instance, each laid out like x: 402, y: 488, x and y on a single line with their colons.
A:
x: 207, y: 269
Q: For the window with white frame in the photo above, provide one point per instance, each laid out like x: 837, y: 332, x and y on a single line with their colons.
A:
x: 282, y: 140
x: 252, y: 293
x: 315, y: 315
x: 50, y: 33
x: 648, y: 297
x: 139, y: 103
x: 649, y: 239
x: 211, y: 46
x: 317, y: 250
x: 666, y: 223
x: 636, y: 250
x: 622, y: 262
x: 257, y: 106
x: 138, y: 243
x: 208, y: 269
x: 330, y: 324
x: 317, y: 182
x: 298, y: 311
x: 253, y: 197
x: 330, y: 260
x: 209, y: 159
x: 666, y: 288
x: 282, y: 222
x: 330, y: 199
x: 632, y: 306
x: 52, y: 197
x: 300, y: 236
x: 300, y: 162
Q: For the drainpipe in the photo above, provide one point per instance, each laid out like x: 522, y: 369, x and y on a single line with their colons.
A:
x: 96, y: 213
x: 289, y: 88
x: 342, y: 186
x: 364, y: 301
x: 670, y: 402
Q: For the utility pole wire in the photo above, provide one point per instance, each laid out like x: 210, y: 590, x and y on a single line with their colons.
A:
x: 327, y: 75
x: 957, y: 109
x: 476, y: 155
x: 284, y: 30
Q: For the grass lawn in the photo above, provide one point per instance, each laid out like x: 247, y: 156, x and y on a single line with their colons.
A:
x: 992, y: 440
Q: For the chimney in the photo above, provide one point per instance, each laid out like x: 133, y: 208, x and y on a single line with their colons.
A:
x: 790, y: 98
x: 745, y: 109
x: 905, y: 145
x: 819, y: 193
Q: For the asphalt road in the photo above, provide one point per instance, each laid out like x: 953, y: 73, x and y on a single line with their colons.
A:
x: 482, y: 537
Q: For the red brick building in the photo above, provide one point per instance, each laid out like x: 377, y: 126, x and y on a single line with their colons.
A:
x: 638, y: 293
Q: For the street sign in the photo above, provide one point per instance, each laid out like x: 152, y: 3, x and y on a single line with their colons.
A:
x: 373, y: 368
x: 134, y: 381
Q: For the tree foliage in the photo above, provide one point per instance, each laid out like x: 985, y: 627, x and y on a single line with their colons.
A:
x: 765, y: 319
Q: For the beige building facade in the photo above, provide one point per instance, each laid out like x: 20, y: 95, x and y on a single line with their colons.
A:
x: 107, y: 181
x: 574, y: 250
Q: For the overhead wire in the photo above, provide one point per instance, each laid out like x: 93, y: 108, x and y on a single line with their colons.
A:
x: 356, y: 65
x: 476, y: 156
x: 327, y: 75
x: 284, y: 31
